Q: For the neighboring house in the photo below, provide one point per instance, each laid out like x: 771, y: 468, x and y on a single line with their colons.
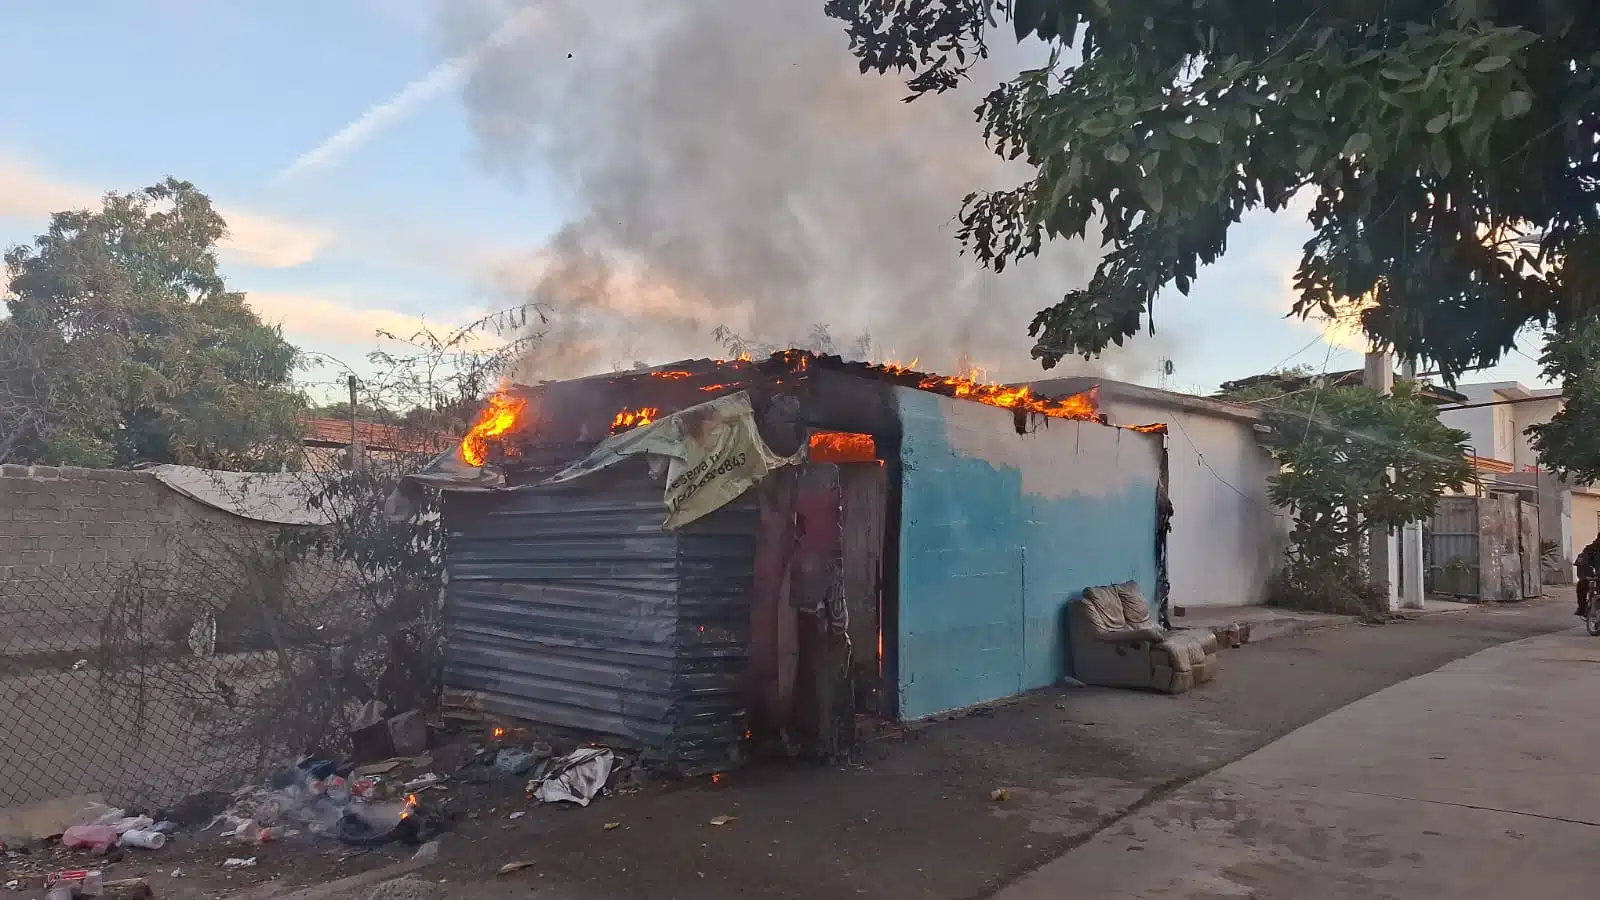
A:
x: 1505, y: 460
x: 1227, y: 538
x: 327, y: 442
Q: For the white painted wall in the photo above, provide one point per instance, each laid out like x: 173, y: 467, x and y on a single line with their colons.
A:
x: 1488, y: 425
x: 1226, y: 538
x: 1585, y: 521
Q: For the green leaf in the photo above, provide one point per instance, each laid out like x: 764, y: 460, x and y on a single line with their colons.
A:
x: 1150, y: 189
x: 1358, y: 144
x: 1117, y: 153
x: 1096, y: 128
x: 1492, y: 64
x: 1441, y: 157
x: 1438, y: 123
x: 1183, y: 131
x: 1516, y: 103
x: 1208, y: 132
x: 1027, y: 15
x: 1307, y: 157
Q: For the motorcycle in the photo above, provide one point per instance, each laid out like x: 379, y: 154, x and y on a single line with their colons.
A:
x: 1586, y: 600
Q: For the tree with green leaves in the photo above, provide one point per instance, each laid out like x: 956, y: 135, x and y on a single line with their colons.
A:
x: 1569, y: 444
x: 1451, y: 151
x: 1352, y: 463
x: 123, y: 344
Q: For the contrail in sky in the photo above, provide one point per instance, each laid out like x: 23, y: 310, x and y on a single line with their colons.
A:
x: 443, y: 78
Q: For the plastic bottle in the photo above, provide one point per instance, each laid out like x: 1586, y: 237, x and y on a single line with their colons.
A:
x: 144, y: 839
x: 248, y: 832
x: 89, y: 837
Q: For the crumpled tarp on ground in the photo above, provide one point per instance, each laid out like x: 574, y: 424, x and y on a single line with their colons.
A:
x: 279, y: 498
x: 576, y: 778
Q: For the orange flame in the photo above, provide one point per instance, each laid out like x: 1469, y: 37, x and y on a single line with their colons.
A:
x: 500, y: 414
x: 499, y: 733
x: 843, y: 447
x: 633, y: 418
x: 674, y: 375
x: 713, y: 388
x: 1085, y: 405
x: 1153, y: 428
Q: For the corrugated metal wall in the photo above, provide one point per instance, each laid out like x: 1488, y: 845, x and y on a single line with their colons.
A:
x: 570, y: 607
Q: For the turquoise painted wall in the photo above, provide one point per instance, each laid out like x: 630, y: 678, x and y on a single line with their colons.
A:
x: 998, y: 532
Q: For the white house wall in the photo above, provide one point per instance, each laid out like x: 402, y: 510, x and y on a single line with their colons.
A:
x: 1585, y: 521
x: 1226, y: 538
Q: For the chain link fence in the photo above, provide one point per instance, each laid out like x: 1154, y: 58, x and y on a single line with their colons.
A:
x: 148, y: 681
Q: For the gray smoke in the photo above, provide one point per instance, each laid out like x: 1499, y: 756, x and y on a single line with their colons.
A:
x: 726, y: 164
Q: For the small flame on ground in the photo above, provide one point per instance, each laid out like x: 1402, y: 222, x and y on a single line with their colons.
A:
x: 674, y: 375
x: 500, y: 414
x: 499, y: 733
x: 713, y: 388
x: 410, y: 807
x: 717, y: 778
x: 843, y: 447
x: 633, y: 418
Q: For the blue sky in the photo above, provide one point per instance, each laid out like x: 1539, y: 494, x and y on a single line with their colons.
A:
x: 401, y: 221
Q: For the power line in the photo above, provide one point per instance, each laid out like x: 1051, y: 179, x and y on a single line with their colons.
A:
x: 1200, y: 455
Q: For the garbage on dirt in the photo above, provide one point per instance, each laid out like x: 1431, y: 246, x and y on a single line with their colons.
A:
x: 1000, y: 795
x: 577, y: 777
x: 512, y: 867
x: 723, y: 820
x: 143, y: 839
x: 239, y: 862
x: 422, y: 782
x: 97, y: 838
x: 82, y: 881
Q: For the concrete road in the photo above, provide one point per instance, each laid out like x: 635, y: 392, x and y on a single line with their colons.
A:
x: 1475, y: 780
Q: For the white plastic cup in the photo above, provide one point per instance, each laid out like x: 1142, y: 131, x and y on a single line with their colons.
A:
x: 143, y: 839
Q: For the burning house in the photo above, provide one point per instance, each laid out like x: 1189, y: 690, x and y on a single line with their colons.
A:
x: 699, y: 555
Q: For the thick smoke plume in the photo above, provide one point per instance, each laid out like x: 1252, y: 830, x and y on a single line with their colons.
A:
x: 726, y: 164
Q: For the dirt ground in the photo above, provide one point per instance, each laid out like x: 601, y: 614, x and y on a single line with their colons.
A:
x: 914, y: 818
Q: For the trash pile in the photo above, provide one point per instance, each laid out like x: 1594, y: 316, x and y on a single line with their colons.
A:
x: 360, y: 803
x: 321, y: 798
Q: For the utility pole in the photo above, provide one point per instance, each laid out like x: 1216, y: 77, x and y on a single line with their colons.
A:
x: 1382, y: 551
x: 355, y: 453
x: 1411, y: 571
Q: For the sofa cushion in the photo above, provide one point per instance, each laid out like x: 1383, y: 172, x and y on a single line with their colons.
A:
x: 1102, y: 606
x: 1187, y: 649
x: 1135, y: 610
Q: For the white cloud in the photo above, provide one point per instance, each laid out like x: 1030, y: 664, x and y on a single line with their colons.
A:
x: 440, y: 80
x: 253, y: 239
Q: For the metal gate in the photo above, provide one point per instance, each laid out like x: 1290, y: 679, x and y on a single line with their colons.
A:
x: 1452, y: 548
x: 1484, y: 548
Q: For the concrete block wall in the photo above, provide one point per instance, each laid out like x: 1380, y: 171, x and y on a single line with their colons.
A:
x: 66, y: 532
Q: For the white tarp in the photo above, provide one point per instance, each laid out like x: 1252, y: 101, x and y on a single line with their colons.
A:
x: 280, y: 498
x: 714, y: 453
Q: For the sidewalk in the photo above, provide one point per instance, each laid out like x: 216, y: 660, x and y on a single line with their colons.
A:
x: 1263, y: 623
x: 1475, y: 780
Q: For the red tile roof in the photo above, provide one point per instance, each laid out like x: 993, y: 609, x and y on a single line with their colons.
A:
x: 374, y: 435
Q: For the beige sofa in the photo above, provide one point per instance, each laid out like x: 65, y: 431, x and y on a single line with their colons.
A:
x: 1114, y: 643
